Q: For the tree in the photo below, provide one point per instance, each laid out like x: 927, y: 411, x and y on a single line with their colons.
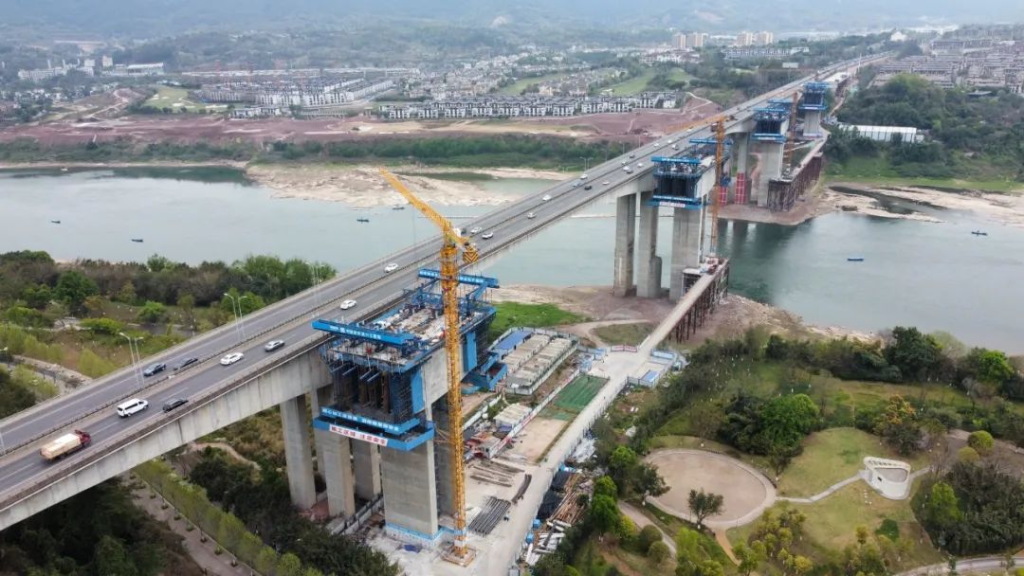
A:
x: 187, y: 304
x: 605, y: 486
x: 981, y: 441
x: 658, y: 552
x: 288, y: 565
x: 989, y: 366
x: 898, y: 425
x: 266, y: 561
x: 749, y: 558
x: 968, y: 455
x: 706, y: 418
x: 647, y: 481
x: 942, y: 509
x: 915, y: 354
x: 73, y: 288
x: 648, y: 535
x: 603, y: 514
x: 127, y: 293
x: 703, y: 504
x: 111, y: 559
x: 152, y: 312
x: 38, y: 296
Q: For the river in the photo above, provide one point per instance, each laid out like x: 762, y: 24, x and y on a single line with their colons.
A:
x: 934, y: 276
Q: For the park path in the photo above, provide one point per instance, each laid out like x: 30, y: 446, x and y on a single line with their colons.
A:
x: 201, y: 552
x: 842, y: 484
x: 641, y: 520
x: 986, y: 564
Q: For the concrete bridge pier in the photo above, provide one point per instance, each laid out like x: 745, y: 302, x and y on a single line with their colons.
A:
x: 648, y: 281
x: 687, y: 228
x: 410, y: 494
x: 741, y: 151
x: 769, y: 168
x: 625, y: 232
x: 367, y: 470
x: 298, y: 454
x: 812, y: 123
x: 335, y: 460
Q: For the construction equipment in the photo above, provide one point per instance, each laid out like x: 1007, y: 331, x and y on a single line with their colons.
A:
x: 452, y: 243
x: 718, y: 190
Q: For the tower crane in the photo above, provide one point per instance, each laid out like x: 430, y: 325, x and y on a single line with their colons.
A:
x: 452, y: 243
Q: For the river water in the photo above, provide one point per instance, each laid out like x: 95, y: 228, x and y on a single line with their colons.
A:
x: 934, y: 276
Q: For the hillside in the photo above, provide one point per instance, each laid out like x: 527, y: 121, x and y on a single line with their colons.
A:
x: 149, y: 18
x: 966, y: 138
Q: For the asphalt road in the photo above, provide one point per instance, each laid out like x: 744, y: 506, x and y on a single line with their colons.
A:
x: 289, y: 320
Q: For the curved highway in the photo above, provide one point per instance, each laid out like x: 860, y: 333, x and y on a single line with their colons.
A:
x: 91, y: 408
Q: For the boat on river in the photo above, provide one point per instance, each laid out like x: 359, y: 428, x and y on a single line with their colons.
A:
x: 137, y: 240
x: 979, y: 233
x: 855, y: 259
x: 362, y: 219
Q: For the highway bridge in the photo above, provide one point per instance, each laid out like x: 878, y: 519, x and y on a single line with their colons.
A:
x: 219, y: 395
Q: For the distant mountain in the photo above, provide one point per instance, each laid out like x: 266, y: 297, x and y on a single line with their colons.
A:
x: 148, y: 18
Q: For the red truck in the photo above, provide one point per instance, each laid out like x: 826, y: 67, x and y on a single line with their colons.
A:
x: 67, y: 444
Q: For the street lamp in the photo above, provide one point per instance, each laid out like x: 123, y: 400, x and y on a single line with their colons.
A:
x: 135, y: 354
x: 586, y: 163
x: 239, y: 328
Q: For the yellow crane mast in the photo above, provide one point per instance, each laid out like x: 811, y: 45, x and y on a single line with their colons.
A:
x: 452, y: 243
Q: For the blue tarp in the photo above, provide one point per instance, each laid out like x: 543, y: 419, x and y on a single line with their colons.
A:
x: 511, y: 341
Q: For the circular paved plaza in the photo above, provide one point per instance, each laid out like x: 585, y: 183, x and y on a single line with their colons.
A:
x: 746, y: 491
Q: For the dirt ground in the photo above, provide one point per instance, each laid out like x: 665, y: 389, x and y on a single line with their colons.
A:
x: 1002, y: 208
x: 66, y: 129
x: 533, y: 441
x: 685, y: 470
x: 733, y: 317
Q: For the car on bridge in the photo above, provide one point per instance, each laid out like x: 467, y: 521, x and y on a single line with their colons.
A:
x: 154, y: 369
x: 185, y: 363
x: 174, y: 403
x: 273, y: 345
x: 475, y: 230
x: 588, y: 187
x: 130, y: 407
x: 583, y: 177
x: 390, y: 268
x: 605, y: 183
x: 348, y: 304
x: 231, y: 358
x: 488, y: 236
x: 545, y: 198
x: 531, y: 216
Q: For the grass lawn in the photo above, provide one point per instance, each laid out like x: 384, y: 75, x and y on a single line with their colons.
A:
x: 574, y: 397
x: 176, y: 98
x: 679, y: 75
x: 625, y: 334
x: 877, y: 171
x: 832, y: 523
x: 830, y: 456
x: 529, y: 316
x: 633, y: 86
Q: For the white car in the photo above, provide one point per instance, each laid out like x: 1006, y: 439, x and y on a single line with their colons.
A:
x: 348, y: 304
x: 605, y: 183
x: 639, y: 164
x: 273, y: 345
x: 231, y: 358
x: 531, y: 216
x: 475, y: 230
x: 488, y: 235
x: 546, y: 198
x: 130, y: 407
x: 390, y: 268
x: 583, y: 177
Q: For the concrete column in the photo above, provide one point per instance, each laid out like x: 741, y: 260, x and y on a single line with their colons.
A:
x: 410, y: 490
x: 812, y: 123
x: 298, y: 454
x: 686, y: 234
x: 367, y: 470
x: 769, y: 168
x: 741, y: 151
x: 625, y: 232
x: 648, y: 281
x: 335, y: 459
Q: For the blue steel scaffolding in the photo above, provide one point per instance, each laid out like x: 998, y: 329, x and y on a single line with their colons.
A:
x: 814, y: 96
x: 678, y: 177
x: 377, y: 365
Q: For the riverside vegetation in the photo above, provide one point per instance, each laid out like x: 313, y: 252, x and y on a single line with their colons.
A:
x: 765, y: 399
